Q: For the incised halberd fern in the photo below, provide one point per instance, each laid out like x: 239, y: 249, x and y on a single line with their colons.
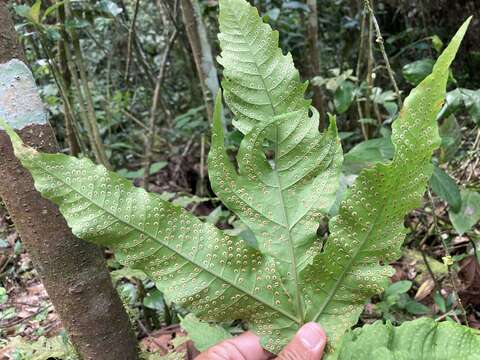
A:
x: 421, y: 339
x: 285, y: 279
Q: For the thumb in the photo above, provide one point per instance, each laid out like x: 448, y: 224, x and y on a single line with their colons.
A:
x: 244, y: 347
x: 308, y: 344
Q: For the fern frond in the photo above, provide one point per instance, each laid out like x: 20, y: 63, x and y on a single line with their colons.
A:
x: 279, y: 199
x: 217, y: 276
x: 421, y: 339
x: 368, y: 232
x: 287, y: 280
x: 259, y: 81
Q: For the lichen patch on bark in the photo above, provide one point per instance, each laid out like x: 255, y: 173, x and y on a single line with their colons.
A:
x: 20, y: 104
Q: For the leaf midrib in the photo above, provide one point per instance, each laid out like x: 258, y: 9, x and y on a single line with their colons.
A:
x: 354, y: 257
x: 368, y: 234
x: 348, y: 266
x: 299, y: 306
x: 283, y: 312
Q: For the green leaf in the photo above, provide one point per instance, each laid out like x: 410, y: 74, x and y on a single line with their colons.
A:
x: 52, y: 8
x: 215, y: 215
x: 35, y: 11
x: 453, y: 102
x: 154, y: 300
x: 259, y: 81
x: 156, y: 167
x: 279, y: 198
x: 418, y: 70
x: 17, y: 248
x: 287, y: 176
x: 471, y: 99
x: 422, y: 339
x: 400, y: 287
x: 440, y: 302
x: 52, y: 33
x: 23, y: 11
x: 295, y: 5
x: 437, y: 43
x: 368, y: 231
x: 344, y: 96
x: 451, y: 135
x: 57, y: 347
x: 368, y: 153
x: 127, y: 273
x: 194, y: 264
x: 416, y: 308
x: 110, y: 7
x: 469, y: 213
x: 445, y: 187
x: 76, y: 24
x: 3, y: 295
x: 203, y: 334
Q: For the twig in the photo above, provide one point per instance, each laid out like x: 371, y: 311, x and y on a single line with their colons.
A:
x: 361, y: 52
x: 5, y: 263
x: 369, y: 75
x: 447, y: 253
x: 134, y: 119
x: 149, y: 144
x: 430, y: 271
x: 380, y: 42
x: 83, y: 85
x: 476, y: 143
x: 361, y: 49
x: 73, y: 135
x: 18, y: 321
x: 443, y: 316
x: 474, y: 246
x: 185, y: 151
x: 131, y: 34
x: 149, y: 335
x: 201, y: 189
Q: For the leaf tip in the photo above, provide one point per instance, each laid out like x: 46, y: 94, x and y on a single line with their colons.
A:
x: 217, y: 112
x: 4, y: 125
x: 19, y: 147
x: 332, y: 127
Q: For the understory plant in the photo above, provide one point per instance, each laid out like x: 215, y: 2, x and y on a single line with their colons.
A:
x: 284, y: 181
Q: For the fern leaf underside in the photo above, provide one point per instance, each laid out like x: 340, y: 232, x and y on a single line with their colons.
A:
x: 286, y: 281
x: 369, y: 230
x: 197, y: 266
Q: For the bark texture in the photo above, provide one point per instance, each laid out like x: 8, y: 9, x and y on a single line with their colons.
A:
x: 73, y: 272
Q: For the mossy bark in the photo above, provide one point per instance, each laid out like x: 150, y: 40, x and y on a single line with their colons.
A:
x: 73, y: 272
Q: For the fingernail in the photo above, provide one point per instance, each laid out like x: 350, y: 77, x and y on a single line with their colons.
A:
x: 312, y: 336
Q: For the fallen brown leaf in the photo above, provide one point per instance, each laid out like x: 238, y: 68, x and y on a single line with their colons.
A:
x: 425, y: 289
x: 469, y: 275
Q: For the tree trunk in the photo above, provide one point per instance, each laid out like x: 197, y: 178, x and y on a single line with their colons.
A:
x: 202, y: 52
x: 73, y: 272
x: 314, y: 59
